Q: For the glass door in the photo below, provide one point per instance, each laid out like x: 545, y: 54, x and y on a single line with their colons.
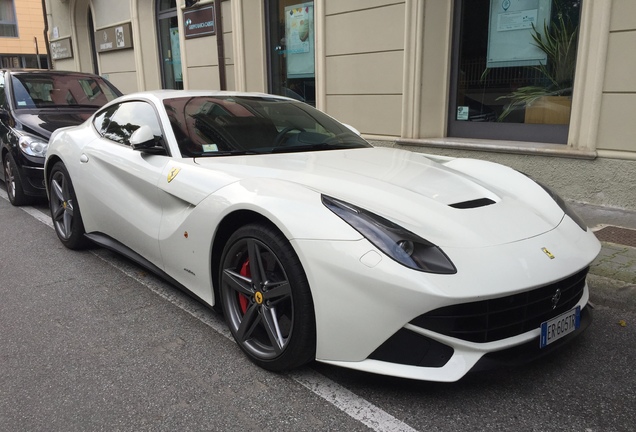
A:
x: 291, y: 53
x: 169, y: 45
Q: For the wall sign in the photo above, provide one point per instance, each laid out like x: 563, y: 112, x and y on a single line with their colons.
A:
x: 61, y: 49
x: 114, y: 38
x: 199, y: 22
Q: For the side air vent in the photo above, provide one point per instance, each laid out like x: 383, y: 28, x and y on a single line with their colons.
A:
x: 481, y: 202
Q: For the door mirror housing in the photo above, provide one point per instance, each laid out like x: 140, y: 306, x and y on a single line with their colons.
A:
x: 142, y: 138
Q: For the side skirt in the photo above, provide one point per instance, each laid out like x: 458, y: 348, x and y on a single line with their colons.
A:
x: 110, y: 243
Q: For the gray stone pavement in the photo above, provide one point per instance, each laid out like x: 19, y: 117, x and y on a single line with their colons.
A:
x: 616, y: 261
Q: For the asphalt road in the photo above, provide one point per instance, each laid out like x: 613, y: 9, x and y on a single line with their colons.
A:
x: 89, y: 341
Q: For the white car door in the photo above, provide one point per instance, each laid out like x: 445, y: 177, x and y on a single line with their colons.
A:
x: 125, y: 201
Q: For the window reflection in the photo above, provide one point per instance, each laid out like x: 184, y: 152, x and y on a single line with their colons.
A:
x: 517, y: 61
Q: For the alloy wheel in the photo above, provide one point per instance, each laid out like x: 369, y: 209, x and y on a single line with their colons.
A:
x: 257, y: 299
x: 61, y: 205
x: 9, y: 177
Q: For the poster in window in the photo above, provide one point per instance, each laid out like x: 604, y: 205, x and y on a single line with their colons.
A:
x: 299, y: 40
x: 510, y: 30
x: 175, y: 49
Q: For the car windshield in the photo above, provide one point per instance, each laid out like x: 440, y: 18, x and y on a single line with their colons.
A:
x: 227, y: 125
x: 43, y: 90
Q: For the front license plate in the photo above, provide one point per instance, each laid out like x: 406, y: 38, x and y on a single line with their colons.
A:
x: 554, y: 329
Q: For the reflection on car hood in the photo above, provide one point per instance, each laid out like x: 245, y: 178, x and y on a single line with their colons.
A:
x: 43, y: 122
x: 415, y: 191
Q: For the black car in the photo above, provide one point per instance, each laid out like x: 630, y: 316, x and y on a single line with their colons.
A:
x: 34, y: 103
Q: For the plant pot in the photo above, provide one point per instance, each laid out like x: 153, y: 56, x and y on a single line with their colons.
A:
x: 549, y: 110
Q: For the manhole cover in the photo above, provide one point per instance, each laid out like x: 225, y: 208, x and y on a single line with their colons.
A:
x: 617, y: 235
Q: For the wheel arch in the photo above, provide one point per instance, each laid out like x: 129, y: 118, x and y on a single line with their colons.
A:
x: 228, y: 225
x: 48, y: 164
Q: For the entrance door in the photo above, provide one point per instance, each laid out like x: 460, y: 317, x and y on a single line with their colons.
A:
x: 291, y: 52
x: 169, y: 45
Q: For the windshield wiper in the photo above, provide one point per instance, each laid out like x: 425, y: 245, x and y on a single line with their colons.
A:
x: 316, y: 147
x: 228, y: 153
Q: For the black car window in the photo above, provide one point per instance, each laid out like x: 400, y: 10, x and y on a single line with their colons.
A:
x: 221, y: 125
x: 126, y: 118
x: 42, y: 90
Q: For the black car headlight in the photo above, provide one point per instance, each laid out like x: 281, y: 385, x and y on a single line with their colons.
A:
x: 564, y: 206
x: 401, y: 245
x: 32, y: 145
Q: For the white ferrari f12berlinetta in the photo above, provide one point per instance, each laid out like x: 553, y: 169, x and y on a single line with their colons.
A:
x: 316, y: 245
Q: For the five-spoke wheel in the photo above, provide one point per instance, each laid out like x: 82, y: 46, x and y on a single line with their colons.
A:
x: 266, y: 299
x: 65, y: 213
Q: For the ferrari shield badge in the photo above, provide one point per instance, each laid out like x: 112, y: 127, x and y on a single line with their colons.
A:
x: 548, y: 253
x: 173, y: 173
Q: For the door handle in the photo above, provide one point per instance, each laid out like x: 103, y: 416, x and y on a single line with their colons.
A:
x: 83, y: 158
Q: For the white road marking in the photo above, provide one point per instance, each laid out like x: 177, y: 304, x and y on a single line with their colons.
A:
x: 348, y: 402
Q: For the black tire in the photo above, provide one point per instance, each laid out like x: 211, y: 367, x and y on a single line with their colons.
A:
x: 15, y: 191
x: 270, y: 312
x: 65, y: 212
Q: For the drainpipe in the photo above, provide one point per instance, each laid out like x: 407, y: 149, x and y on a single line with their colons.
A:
x: 46, y: 35
x: 219, y: 44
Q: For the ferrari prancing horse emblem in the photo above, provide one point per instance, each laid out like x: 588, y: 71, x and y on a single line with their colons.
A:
x: 173, y: 173
x: 548, y: 253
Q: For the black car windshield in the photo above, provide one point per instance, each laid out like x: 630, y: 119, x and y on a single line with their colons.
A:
x: 51, y: 90
x: 228, y: 125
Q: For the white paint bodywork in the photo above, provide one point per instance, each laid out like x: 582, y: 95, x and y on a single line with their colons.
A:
x: 361, y: 296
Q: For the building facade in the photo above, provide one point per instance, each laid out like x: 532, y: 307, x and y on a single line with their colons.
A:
x: 22, y: 38
x: 546, y: 86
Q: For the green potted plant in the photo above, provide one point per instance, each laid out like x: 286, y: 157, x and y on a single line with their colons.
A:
x: 559, y: 42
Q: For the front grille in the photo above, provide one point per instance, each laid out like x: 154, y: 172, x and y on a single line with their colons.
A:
x: 500, y: 318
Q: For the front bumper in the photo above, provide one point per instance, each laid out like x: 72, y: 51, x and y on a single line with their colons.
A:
x: 363, y: 299
x: 31, y: 174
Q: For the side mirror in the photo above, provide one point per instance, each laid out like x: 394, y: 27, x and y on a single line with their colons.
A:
x: 352, y: 129
x: 142, y: 138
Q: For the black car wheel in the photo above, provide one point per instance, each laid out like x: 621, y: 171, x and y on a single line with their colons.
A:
x: 266, y: 299
x: 65, y: 211
x: 17, y: 197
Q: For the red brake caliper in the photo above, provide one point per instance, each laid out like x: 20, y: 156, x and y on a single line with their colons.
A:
x: 243, y: 299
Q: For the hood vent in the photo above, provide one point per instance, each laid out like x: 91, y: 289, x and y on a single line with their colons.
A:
x: 481, y: 202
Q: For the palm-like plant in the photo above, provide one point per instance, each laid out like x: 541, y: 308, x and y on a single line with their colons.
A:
x: 558, y: 41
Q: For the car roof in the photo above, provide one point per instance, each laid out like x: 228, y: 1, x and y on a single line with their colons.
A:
x: 161, y: 95
x: 46, y: 72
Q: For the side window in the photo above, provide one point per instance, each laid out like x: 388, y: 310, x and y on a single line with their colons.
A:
x: 102, y: 119
x: 125, y: 119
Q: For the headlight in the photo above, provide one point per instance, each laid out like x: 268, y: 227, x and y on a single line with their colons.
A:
x: 564, y: 206
x: 32, y: 145
x: 398, y: 243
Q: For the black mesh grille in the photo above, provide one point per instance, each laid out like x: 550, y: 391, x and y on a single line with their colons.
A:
x: 500, y: 318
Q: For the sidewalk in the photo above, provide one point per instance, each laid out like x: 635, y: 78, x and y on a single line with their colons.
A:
x: 617, y: 259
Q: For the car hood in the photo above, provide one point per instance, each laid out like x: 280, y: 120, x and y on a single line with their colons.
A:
x: 43, y: 122
x: 450, y: 202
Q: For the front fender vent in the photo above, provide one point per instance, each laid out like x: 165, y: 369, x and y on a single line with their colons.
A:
x: 481, y: 202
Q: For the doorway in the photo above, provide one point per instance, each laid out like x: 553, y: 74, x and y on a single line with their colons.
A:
x: 169, y: 44
x: 291, y: 49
